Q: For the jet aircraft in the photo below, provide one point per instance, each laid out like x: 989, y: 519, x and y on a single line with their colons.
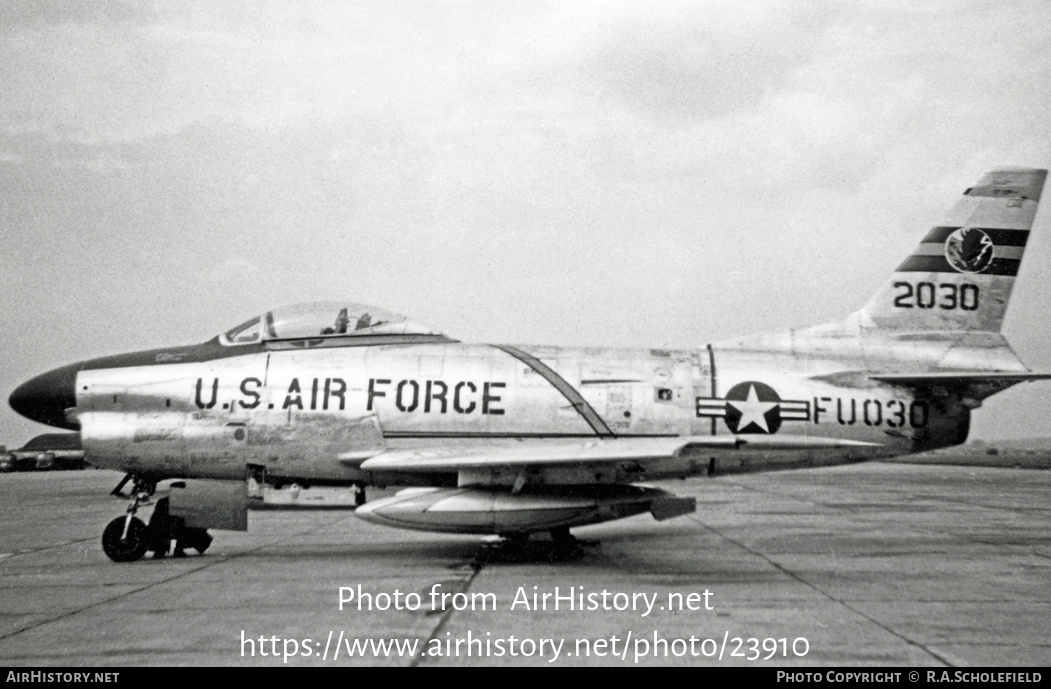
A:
x: 519, y: 440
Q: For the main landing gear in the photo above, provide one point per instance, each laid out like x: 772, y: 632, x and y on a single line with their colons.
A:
x: 127, y: 538
x: 554, y: 545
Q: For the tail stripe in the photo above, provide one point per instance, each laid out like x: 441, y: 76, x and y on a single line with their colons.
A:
x: 1000, y: 237
x: 998, y: 252
x: 939, y: 264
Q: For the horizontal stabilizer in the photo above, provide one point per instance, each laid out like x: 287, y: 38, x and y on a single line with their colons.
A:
x: 959, y: 378
x: 596, y: 451
x: 973, y: 384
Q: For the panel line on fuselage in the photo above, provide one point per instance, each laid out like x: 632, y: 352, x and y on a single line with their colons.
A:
x: 715, y: 393
x: 512, y: 435
x: 559, y: 383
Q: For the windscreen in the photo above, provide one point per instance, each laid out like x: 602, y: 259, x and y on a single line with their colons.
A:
x: 324, y: 319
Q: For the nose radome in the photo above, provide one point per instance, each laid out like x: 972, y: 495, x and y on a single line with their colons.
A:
x: 46, y: 397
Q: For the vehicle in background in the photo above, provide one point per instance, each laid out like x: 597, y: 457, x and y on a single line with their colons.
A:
x: 44, y: 453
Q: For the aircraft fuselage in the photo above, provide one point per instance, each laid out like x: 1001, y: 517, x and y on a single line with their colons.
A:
x: 315, y: 412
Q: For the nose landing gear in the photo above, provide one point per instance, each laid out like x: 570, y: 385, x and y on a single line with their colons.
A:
x: 126, y: 538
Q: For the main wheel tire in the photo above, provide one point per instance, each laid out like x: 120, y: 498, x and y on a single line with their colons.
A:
x: 198, y: 539
x: 561, y: 535
x: 203, y: 543
x: 128, y: 549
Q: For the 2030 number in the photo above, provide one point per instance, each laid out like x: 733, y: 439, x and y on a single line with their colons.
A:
x: 927, y: 295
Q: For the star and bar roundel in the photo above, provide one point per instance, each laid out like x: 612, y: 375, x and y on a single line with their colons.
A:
x: 753, y: 407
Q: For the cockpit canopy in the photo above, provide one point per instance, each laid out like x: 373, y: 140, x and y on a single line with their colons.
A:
x: 323, y: 319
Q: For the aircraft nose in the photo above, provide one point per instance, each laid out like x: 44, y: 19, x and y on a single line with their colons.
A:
x: 46, y: 397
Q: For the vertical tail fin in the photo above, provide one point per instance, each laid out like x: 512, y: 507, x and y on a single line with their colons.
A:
x: 960, y: 276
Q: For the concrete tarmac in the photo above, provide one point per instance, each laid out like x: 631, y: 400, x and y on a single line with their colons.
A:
x: 873, y: 564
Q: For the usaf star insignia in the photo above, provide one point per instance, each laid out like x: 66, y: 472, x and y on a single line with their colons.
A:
x: 753, y: 407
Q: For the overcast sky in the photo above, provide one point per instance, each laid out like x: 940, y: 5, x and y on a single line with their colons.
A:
x: 629, y: 174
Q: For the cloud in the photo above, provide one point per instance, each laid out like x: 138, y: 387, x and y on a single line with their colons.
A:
x: 17, y: 14
x: 694, y: 64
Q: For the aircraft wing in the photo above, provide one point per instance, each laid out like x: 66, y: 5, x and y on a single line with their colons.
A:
x: 975, y: 384
x: 592, y: 452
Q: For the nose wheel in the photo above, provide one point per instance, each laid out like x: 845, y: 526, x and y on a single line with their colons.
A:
x: 126, y: 539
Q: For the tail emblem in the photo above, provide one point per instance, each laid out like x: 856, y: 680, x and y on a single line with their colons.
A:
x: 753, y: 407
x: 969, y: 250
